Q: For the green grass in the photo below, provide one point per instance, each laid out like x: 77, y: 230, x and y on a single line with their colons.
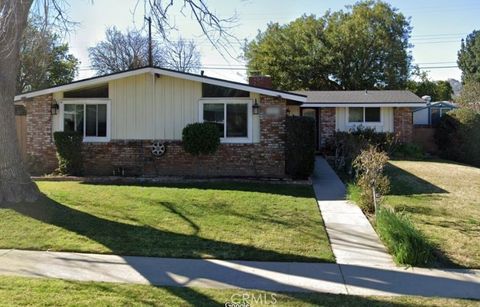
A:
x: 403, y: 240
x: 48, y: 292
x: 202, y: 220
x: 442, y: 200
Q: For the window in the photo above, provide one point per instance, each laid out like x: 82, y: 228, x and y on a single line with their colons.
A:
x: 209, y: 90
x: 232, y: 117
x: 90, y: 119
x: 364, y: 115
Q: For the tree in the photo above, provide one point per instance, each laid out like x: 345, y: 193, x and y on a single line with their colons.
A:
x: 437, y: 90
x: 44, y: 61
x: 364, y: 47
x: 124, y: 51
x: 470, y: 96
x: 369, y: 46
x: 15, y: 183
x: 182, y: 55
x: 294, y: 55
x: 469, y: 57
x: 120, y: 52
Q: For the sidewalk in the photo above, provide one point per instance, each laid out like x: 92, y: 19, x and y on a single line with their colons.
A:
x: 271, y: 276
x: 352, y: 237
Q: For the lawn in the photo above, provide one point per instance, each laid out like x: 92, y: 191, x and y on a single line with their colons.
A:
x: 202, y: 220
x: 49, y: 292
x: 443, y: 201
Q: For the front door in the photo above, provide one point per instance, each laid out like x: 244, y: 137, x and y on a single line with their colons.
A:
x: 313, y: 113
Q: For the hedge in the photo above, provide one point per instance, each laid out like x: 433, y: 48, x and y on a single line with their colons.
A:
x: 458, y: 136
x: 300, y: 146
x: 69, y: 152
x: 200, y: 138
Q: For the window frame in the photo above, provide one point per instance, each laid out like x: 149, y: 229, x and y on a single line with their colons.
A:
x: 363, y: 122
x: 225, y: 100
x: 85, y: 102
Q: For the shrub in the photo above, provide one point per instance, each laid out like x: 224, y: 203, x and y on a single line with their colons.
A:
x: 200, y: 138
x: 409, y: 151
x: 370, y: 178
x: 346, y: 146
x: 300, y: 146
x: 403, y: 240
x: 69, y: 152
x: 458, y: 136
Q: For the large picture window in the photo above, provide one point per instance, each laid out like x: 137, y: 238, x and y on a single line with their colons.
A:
x: 232, y: 117
x: 90, y: 119
x: 364, y: 115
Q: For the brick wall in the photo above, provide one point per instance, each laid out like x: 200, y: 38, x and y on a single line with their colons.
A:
x: 327, y: 124
x: 263, y: 159
x: 403, y: 124
x: 40, y: 149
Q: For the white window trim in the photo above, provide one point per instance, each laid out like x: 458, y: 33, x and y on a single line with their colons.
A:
x: 364, y: 123
x: 86, y: 101
x: 226, y: 100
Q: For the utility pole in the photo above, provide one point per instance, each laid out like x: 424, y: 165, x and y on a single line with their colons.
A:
x: 150, y: 56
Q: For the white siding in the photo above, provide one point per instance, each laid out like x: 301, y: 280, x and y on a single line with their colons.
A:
x: 341, y: 121
x: 145, y: 107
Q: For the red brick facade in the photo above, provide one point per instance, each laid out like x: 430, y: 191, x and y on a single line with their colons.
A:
x: 133, y: 157
x: 403, y: 124
x: 327, y: 124
x: 41, y: 152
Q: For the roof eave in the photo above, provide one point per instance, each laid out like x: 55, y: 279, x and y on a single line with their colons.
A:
x: 360, y: 104
x: 153, y: 70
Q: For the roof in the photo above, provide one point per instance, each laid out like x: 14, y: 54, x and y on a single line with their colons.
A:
x: 447, y: 104
x: 166, y: 72
x: 370, y: 97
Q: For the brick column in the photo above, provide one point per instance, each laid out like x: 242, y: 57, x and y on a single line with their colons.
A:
x: 327, y: 124
x: 403, y: 124
x: 41, y: 152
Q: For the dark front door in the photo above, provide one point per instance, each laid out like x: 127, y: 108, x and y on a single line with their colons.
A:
x: 313, y: 113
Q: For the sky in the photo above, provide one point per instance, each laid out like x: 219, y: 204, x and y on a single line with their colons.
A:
x: 438, y: 27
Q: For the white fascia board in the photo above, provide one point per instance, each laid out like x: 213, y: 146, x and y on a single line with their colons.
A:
x: 243, y: 87
x: 80, y: 84
x: 88, y: 82
x: 332, y: 105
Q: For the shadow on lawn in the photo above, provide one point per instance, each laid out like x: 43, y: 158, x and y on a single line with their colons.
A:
x: 294, y: 190
x: 406, y: 183
x: 126, y: 239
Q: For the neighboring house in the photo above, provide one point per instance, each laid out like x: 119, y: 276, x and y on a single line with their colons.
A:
x: 132, y: 122
x: 385, y: 111
x: 431, y: 114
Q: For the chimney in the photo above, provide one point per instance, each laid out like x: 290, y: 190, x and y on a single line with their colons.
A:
x: 260, y: 81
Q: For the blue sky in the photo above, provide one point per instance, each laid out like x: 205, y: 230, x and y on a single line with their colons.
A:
x: 438, y: 27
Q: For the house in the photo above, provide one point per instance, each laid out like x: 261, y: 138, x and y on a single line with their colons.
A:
x: 430, y: 114
x: 385, y: 111
x: 132, y: 122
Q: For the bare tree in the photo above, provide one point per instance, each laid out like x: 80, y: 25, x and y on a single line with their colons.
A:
x: 15, y: 182
x: 182, y: 55
x: 123, y: 51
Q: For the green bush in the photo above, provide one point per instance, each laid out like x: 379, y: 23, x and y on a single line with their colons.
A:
x: 200, y: 138
x: 409, y: 151
x: 458, y: 136
x: 404, y: 241
x: 69, y: 152
x: 300, y: 146
x: 346, y: 146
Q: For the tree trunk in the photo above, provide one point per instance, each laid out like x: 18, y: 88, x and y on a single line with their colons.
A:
x: 15, y: 183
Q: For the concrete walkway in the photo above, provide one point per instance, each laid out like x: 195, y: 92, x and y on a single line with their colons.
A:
x: 271, y: 276
x: 352, y: 237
